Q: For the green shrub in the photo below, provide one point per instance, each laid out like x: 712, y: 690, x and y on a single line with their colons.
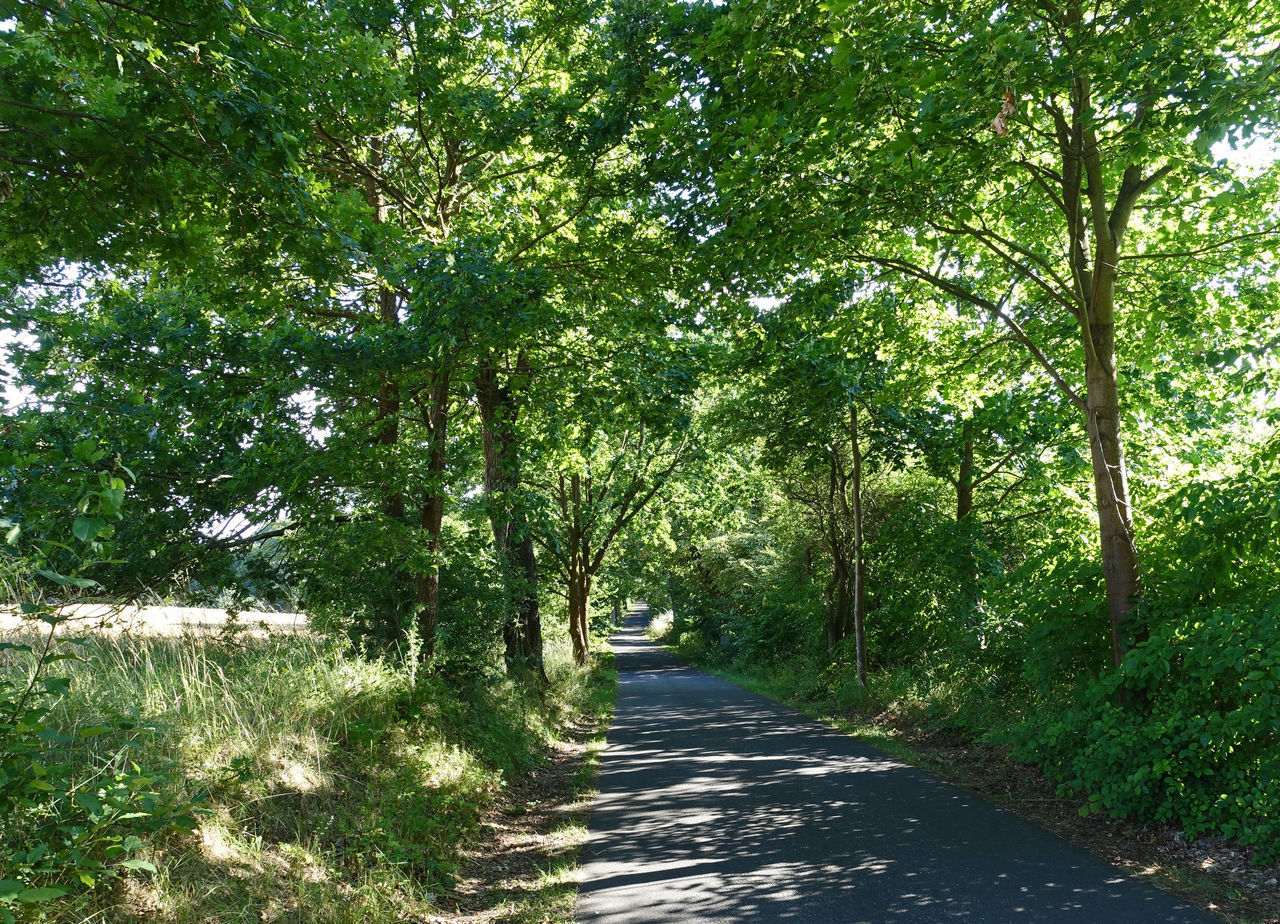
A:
x: 1197, y: 745
x: 75, y: 807
x: 1217, y: 539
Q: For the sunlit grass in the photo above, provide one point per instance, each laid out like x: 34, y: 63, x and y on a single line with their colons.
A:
x: 335, y: 788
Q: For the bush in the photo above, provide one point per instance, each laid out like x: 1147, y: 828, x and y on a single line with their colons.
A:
x: 74, y: 807
x: 1198, y: 745
x: 1217, y: 541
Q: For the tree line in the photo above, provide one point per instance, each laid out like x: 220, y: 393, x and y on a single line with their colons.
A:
x: 868, y: 338
x: 311, y: 274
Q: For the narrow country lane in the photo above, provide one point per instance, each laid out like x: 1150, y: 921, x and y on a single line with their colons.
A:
x: 719, y: 805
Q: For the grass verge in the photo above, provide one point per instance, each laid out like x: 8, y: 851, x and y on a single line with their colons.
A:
x: 332, y: 788
x: 524, y: 868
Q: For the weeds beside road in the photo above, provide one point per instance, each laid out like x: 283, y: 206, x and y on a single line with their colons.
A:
x: 329, y: 787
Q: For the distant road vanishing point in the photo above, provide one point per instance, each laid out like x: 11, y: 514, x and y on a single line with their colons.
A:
x: 718, y: 805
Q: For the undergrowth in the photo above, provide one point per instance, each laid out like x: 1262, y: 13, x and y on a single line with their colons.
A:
x: 328, y: 787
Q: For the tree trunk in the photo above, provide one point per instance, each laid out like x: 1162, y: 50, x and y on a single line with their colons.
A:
x: 1084, y: 181
x: 579, y: 610
x: 1102, y: 398
x: 435, y: 415
x: 1111, y: 485
x: 839, y: 603
x: 528, y: 617
x: 428, y: 595
x: 522, y: 624
x: 579, y: 590
x: 387, y: 416
x: 837, y: 593
x: 859, y: 564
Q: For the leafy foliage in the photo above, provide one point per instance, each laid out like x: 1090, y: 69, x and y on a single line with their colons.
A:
x: 902, y: 340
x: 1202, y: 752
x: 76, y: 808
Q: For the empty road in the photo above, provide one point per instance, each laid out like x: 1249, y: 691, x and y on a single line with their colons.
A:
x: 720, y: 805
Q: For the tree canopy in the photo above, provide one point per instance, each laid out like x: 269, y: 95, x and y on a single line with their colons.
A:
x: 864, y: 337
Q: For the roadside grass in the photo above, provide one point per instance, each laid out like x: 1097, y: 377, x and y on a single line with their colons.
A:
x: 927, y: 722
x: 332, y: 788
x: 543, y: 821
x: 557, y: 887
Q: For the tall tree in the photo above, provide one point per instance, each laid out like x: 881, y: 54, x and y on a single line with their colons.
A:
x: 596, y: 504
x: 935, y: 142
x: 497, y: 400
x: 390, y: 194
x: 618, y: 432
x: 816, y: 390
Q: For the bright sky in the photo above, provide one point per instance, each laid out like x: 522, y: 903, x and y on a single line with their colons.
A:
x: 1254, y: 157
x: 10, y: 395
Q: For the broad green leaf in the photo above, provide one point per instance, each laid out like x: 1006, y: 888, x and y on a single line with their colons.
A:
x: 42, y: 894
x: 86, y: 528
x: 65, y: 580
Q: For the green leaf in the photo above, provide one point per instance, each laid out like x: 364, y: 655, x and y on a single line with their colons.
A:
x: 42, y: 894
x: 59, y: 686
x: 86, y: 528
x: 138, y: 864
x: 65, y: 580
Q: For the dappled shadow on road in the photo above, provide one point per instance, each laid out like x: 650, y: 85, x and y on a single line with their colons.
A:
x: 717, y: 805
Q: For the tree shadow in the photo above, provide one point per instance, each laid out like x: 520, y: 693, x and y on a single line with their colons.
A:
x: 717, y: 804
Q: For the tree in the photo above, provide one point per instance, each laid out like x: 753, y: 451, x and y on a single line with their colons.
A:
x: 411, y: 208
x: 618, y: 433
x: 496, y: 399
x: 817, y: 395
x: 595, y: 505
x: 934, y: 142
x: 122, y: 124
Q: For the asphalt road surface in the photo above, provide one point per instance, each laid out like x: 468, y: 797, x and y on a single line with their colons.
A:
x: 720, y: 805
